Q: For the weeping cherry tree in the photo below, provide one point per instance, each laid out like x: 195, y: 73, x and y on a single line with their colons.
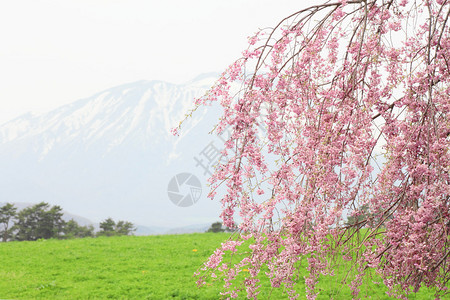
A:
x: 339, y: 150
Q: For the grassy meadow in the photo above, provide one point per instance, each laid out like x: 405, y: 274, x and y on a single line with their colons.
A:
x: 131, y: 267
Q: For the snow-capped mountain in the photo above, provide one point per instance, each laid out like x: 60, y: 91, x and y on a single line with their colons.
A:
x: 112, y: 155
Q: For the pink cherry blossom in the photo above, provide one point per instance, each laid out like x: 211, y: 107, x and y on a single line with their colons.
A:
x: 353, y: 160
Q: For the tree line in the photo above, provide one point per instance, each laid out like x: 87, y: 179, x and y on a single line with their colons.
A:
x: 42, y: 221
x: 219, y: 227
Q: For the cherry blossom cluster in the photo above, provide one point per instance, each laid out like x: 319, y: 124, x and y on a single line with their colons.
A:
x: 354, y: 161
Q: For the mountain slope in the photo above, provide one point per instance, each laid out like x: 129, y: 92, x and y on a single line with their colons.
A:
x: 112, y: 154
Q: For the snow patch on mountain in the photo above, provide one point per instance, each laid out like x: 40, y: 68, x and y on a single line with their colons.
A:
x: 111, y: 154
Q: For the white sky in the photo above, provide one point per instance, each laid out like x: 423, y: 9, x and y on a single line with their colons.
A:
x: 55, y: 52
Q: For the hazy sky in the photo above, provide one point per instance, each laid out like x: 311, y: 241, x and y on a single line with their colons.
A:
x: 55, y: 52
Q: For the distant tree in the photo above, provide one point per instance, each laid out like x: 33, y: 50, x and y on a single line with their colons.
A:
x: 107, y: 227
x: 218, y: 227
x: 7, y: 214
x: 39, y: 222
x: 231, y: 229
x: 124, y: 228
x: 364, y: 217
x: 359, y: 217
x: 73, y: 230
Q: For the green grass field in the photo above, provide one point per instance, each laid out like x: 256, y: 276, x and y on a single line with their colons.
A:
x: 130, y: 267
